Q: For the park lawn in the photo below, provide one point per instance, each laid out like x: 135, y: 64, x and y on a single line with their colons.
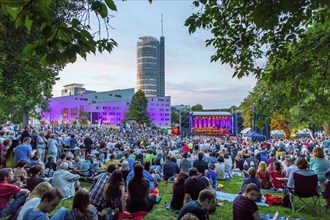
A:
x: 231, y: 186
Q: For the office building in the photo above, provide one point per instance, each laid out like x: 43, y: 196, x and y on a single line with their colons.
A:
x: 151, y: 66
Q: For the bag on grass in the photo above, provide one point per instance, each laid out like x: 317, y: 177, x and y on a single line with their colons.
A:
x: 286, y: 202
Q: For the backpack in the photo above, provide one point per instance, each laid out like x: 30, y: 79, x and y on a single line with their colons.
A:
x: 286, y: 202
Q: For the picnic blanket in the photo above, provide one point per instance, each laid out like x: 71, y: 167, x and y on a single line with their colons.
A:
x: 231, y: 197
x: 134, y: 216
x: 268, y: 217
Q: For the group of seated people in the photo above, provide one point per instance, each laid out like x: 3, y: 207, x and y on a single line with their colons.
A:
x: 128, y: 182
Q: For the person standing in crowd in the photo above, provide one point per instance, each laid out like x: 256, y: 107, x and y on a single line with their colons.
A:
x: 52, y: 147
x: 25, y: 133
x: 41, y: 146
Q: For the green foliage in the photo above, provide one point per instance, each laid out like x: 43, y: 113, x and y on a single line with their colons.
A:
x: 296, y: 85
x: 197, y: 108
x: 25, y: 83
x: 84, y: 117
x: 174, y: 118
x: 138, y: 109
x: 246, y: 31
x: 64, y: 26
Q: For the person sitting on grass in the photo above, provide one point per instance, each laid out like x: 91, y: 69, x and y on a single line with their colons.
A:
x: 193, y: 185
x: 20, y: 174
x: 34, y: 198
x: 114, y: 192
x: 34, y: 180
x: 81, y: 207
x: 49, y: 201
x: 200, y: 208
x: 244, y: 206
x: 96, y: 191
x: 211, y: 175
x: 178, y: 191
x: 65, y: 181
x: 263, y: 175
x: 8, y: 191
x: 252, y: 179
x: 138, y: 192
x: 275, y: 174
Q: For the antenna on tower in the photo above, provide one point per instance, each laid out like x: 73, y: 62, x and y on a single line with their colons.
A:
x: 162, y: 25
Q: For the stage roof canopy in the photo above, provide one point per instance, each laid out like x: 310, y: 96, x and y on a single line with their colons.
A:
x: 211, y: 113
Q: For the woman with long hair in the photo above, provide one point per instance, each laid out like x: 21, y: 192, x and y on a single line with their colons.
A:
x: 275, y: 174
x: 114, y: 192
x: 81, y: 207
x: 178, y: 191
x: 138, y: 192
x: 263, y: 175
x: 34, y: 198
x: 239, y: 161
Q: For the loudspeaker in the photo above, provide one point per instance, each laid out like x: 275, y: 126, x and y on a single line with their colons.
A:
x: 184, y: 121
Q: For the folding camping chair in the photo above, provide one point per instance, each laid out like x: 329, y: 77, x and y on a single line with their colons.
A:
x: 305, y: 190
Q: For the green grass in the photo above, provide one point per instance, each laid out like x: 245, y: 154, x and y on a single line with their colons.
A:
x: 231, y: 186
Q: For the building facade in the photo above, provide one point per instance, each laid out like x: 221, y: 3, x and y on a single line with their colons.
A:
x: 109, y: 106
x: 151, y: 66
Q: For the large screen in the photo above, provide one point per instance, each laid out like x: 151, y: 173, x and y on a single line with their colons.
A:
x: 211, y: 124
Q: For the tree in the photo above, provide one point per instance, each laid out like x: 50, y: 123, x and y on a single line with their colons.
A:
x: 64, y: 26
x: 197, y: 108
x: 84, y: 117
x: 138, y: 109
x: 25, y: 84
x: 241, y: 28
x: 174, y: 117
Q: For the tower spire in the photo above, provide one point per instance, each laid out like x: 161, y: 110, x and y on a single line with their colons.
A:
x: 162, y: 25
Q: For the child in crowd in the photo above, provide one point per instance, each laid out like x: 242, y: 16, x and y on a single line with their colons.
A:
x: 20, y: 174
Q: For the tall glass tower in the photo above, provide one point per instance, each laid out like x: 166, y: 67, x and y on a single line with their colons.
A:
x: 150, y: 66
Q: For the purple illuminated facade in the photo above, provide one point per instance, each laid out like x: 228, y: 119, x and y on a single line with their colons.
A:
x: 65, y: 109
x: 211, y: 123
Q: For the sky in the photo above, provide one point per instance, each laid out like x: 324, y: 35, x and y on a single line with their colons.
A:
x: 190, y: 77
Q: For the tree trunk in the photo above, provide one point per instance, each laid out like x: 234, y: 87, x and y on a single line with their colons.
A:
x: 25, y: 119
x: 326, y: 128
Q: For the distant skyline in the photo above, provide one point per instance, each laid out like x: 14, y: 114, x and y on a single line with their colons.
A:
x: 190, y: 78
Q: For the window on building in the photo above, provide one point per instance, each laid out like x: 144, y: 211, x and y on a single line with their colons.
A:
x: 74, y: 112
x: 65, y: 112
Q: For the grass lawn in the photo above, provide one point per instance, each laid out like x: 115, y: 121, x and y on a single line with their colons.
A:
x: 232, y: 186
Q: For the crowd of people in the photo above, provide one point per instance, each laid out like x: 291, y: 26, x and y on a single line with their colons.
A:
x: 126, y: 165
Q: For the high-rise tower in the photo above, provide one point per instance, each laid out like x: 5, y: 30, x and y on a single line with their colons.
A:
x: 148, y: 66
x: 151, y: 65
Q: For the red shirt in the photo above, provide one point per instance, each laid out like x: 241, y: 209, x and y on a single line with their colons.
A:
x: 185, y: 148
x: 6, y: 191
